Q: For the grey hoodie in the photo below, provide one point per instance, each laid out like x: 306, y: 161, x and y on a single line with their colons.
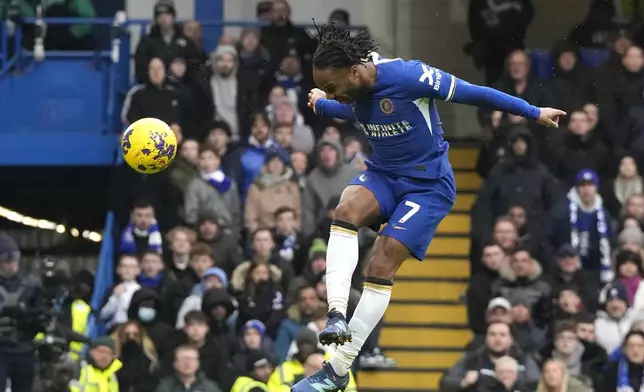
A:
x: 321, y: 186
x: 224, y: 90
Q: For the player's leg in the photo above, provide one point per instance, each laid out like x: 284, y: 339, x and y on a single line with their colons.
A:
x: 361, y: 203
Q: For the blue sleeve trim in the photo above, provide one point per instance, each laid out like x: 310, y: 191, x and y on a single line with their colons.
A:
x: 490, y: 98
x: 335, y: 109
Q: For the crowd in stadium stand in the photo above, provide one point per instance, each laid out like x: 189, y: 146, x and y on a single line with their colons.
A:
x: 220, y: 277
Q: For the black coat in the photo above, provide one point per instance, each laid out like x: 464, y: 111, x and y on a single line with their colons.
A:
x: 146, y: 100
x: 479, y: 294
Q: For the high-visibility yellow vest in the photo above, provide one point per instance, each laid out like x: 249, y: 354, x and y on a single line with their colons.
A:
x: 94, y: 380
x: 245, y: 384
x: 80, y: 315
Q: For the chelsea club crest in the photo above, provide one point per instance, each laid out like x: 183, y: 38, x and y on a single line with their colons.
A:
x: 386, y: 106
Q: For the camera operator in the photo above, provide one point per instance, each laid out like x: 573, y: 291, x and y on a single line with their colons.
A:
x: 22, y: 314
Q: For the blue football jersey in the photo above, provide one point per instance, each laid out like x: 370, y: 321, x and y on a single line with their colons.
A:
x: 401, y: 121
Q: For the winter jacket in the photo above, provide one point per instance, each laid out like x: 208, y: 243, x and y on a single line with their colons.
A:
x: 268, y: 194
x: 200, y: 195
x: 609, y: 332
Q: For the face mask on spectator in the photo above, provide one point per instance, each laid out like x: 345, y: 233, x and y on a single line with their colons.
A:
x: 147, y: 314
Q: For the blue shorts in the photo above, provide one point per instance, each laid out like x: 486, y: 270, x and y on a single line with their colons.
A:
x: 411, y: 207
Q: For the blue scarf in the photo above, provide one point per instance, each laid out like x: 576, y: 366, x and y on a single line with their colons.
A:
x: 218, y: 180
x: 624, y: 379
x: 579, y: 228
x: 150, y: 283
x: 287, y: 250
x: 128, y: 243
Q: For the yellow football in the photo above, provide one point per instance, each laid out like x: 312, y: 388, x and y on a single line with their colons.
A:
x: 149, y: 145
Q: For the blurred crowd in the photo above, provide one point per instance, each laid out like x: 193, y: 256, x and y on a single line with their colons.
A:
x: 554, y: 299
x: 220, y: 277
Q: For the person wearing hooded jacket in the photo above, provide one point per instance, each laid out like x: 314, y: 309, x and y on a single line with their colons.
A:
x: 145, y: 307
x: 571, y: 85
x: 520, y: 180
x: 166, y: 41
x: 213, y: 277
x: 219, y: 306
x: 329, y: 178
x: 227, y: 92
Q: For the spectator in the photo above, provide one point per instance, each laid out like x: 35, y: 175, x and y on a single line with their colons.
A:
x: 583, y: 360
x: 567, y: 302
x: 506, y: 377
x: 200, y: 261
x: 582, y: 215
x: 192, y: 30
x: 284, y: 137
x: 327, y: 180
x: 165, y: 41
x: 249, y: 157
x: 221, y: 240
x: 282, y: 36
x: 635, y: 208
x: 286, y: 115
x: 572, y: 82
x: 218, y: 306
x: 616, y: 317
x: 216, y: 92
x: 576, y: 149
x: 258, y: 289
x: 299, y: 315
x: 212, y: 357
x: 479, y: 290
x: 258, y: 371
x: 313, y: 270
x: 630, y: 272
x: 184, y: 168
x: 598, y: 29
x: 177, y: 258
x: 296, y: 85
x: 142, y: 233
x: 115, y: 310
x: 495, y: 32
x: 585, y: 327
x: 319, y: 320
x: 101, y: 367
x: 146, y: 308
x: 135, y: 350
x: 522, y: 284
x: 568, y: 272
x: 271, y: 191
x: 254, y: 58
x: 263, y: 251
x: 264, y: 11
x: 555, y: 378
x: 497, y: 310
x: 476, y: 368
x: 521, y: 180
x: 218, y: 139
x: 287, y: 237
x: 153, y: 98
x: 187, y: 375
x: 253, y: 338
x: 211, y: 278
x: 627, y: 373
x: 213, y: 191
x: 275, y: 97
x: 300, y: 164
x: 171, y: 292
x: 628, y: 183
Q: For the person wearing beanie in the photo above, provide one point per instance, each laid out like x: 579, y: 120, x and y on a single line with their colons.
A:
x: 252, y: 338
x: 165, y: 41
x: 270, y: 191
x: 259, y: 368
x: 632, y: 239
x: 582, y: 221
x: 212, y: 277
x: 615, y: 318
x: 630, y: 272
x: 98, y: 372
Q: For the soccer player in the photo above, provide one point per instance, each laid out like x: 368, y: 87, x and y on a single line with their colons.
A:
x: 409, y: 182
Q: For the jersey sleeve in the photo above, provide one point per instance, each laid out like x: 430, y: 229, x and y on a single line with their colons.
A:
x: 424, y: 81
x: 334, y: 109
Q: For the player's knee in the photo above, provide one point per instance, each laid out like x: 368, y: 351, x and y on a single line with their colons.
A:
x: 344, y: 212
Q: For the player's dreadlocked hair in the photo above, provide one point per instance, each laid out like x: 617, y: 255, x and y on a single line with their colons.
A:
x: 338, y: 49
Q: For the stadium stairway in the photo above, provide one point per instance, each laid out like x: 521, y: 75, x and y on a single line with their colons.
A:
x: 426, y: 323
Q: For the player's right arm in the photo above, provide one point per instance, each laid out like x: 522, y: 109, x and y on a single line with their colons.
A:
x: 425, y: 81
x: 329, y: 107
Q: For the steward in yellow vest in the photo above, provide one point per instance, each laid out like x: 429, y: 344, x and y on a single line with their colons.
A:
x: 292, y: 371
x: 259, y: 366
x: 98, y: 372
x: 80, y: 312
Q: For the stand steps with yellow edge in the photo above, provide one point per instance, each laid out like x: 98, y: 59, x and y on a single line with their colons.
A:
x: 426, y: 323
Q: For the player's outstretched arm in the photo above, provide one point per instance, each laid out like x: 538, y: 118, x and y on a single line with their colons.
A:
x: 487, y: 97
x: 425, y: 81
x: 329, y: 107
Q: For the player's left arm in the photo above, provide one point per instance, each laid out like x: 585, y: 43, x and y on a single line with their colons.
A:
x: 429, y: 82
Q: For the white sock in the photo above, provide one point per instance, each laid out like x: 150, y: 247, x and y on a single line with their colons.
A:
x: 341, y: 260
x: 369, y: 312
